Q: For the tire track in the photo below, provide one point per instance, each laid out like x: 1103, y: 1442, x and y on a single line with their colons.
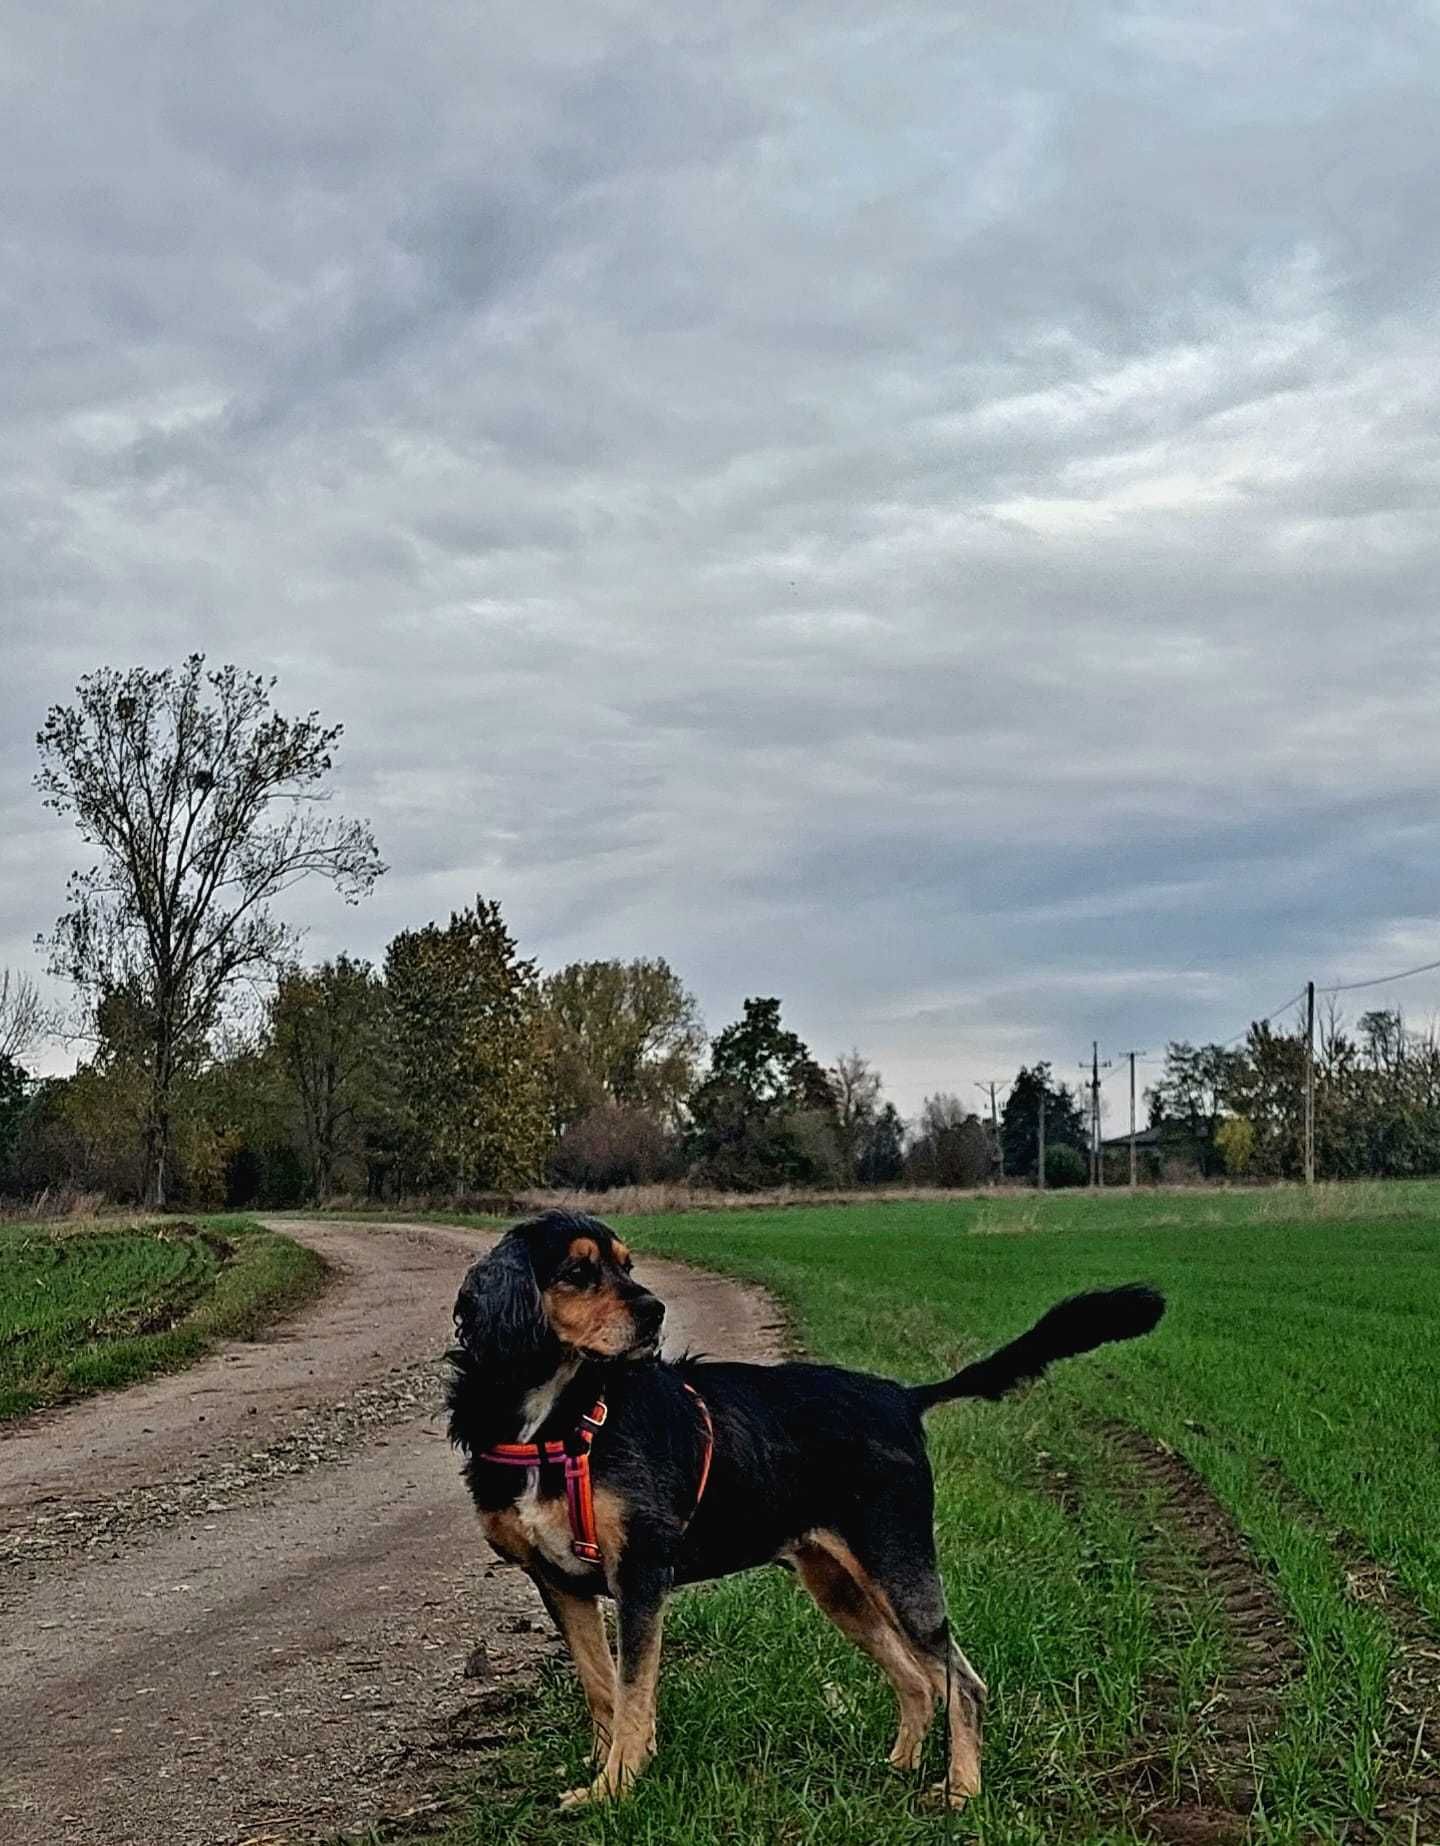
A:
x: 1263, y: 1658
x: 1410, y: 1809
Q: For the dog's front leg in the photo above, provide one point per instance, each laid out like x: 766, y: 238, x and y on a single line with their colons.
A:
x: 582, y: 1624
x: 640, y: 1594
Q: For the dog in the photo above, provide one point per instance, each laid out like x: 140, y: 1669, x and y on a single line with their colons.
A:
x: 603, y: 1470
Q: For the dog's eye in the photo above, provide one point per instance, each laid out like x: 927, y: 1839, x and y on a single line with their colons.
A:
x: 578, y: 1274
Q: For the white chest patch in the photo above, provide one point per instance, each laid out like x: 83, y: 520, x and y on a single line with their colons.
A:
x: 546, y: 1526
x: 542, y: 1400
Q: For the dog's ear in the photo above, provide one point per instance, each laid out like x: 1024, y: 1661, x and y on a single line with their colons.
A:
x: 499, y: 1319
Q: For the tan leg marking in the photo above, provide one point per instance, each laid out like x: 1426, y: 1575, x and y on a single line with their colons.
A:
x: 582, y: 1622
x: 967, y: 1691
x: 633, y: 1740
x: 860, y: 1609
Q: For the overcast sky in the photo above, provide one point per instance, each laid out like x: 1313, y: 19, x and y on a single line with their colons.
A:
x: 927, y: 511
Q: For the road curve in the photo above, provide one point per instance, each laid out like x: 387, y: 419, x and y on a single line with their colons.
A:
x: 239, y: 1602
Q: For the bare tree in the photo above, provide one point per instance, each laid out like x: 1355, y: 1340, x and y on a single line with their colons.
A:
x: 857, y: 1104
x: 203, y: 804
x: 25, y: 1019
x: 951, y: 1147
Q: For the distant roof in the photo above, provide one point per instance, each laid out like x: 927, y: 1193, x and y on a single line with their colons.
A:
x: 1167, y: 1134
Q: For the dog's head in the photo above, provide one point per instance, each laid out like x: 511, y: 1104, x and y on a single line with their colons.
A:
x: 558, y: 1286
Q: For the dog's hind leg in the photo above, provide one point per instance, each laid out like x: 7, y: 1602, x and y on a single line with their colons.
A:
x: 907, y: 1576
x: 581, y: 1622
x: 844, y: 1590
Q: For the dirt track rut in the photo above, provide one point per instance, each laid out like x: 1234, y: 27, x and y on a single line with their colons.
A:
x: 239, y: 1603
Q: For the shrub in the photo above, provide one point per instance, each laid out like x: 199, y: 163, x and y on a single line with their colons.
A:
x: 1235, y: 1139
x: 613, y: 1145
x: 1065, y: 1166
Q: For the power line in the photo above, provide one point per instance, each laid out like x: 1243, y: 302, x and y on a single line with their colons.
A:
x: 1379, y: 980
x: 1307, y: 993
x: 1264, y: 1019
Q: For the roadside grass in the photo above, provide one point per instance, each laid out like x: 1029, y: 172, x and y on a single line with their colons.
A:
x: 1295, y: 1372
x: 87, y: 1309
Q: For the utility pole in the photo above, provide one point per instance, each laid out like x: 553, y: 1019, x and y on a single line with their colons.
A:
x: 1093, y: 1088
x: 1097, y: 1157
x: 1132, y: 1055
x: 1040, y: 1137
x: 995, y: 1121
x: 1310, y: 1083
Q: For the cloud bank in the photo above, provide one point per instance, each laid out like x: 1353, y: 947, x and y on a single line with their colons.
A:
x: 930, y: 514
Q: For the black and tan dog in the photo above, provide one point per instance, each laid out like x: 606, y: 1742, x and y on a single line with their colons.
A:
x: 808, y: 1465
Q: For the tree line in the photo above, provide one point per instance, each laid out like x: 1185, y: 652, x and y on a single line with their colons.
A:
x: 218, y: 1068
x: 458, y: 1067
x: 1239, y: 1111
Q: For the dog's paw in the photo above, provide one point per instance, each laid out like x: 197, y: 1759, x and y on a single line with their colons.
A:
x: 946, y: 1795
x: 585, y: 1796
x: 589, y: 1795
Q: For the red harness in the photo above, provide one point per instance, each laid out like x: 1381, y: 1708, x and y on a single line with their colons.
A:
x: 574, y: 1455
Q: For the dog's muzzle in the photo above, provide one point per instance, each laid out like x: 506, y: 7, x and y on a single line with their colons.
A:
x: 649, y: 1317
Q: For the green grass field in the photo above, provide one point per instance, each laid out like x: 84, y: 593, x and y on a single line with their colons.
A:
x: 1254, y: 1658
x: 84, y: 1309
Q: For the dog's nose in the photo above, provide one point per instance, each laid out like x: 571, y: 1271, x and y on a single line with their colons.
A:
x: 650, y: 1314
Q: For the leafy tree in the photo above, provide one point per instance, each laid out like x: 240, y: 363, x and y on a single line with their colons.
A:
x: 329, y: 1032
x: 770, y: 1067
x: 1065, y: 1123
x: 248, y: 1101
x: 14, y: 1096
x: 83, y: 1131
x: 203, y: 805
x: 622, y: 1032
x: 1192, y: 1093
x: 745, y: 1116
x: 881, y: 1157
x: 1267, y: 1086
x: 469, y: 1051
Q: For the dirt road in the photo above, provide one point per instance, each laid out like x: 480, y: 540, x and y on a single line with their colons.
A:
x: 239, y: 1604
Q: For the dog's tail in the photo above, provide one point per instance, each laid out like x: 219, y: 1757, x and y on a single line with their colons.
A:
x: 1071, y: 1327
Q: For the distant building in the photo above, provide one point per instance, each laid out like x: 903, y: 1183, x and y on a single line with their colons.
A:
x: 1163, y: 1148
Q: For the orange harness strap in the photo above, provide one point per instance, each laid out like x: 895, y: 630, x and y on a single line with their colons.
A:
x: 574, y: 1456
x: 708, y: 1452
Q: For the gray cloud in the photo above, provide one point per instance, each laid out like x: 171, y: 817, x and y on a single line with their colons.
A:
x: 929, y: 515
